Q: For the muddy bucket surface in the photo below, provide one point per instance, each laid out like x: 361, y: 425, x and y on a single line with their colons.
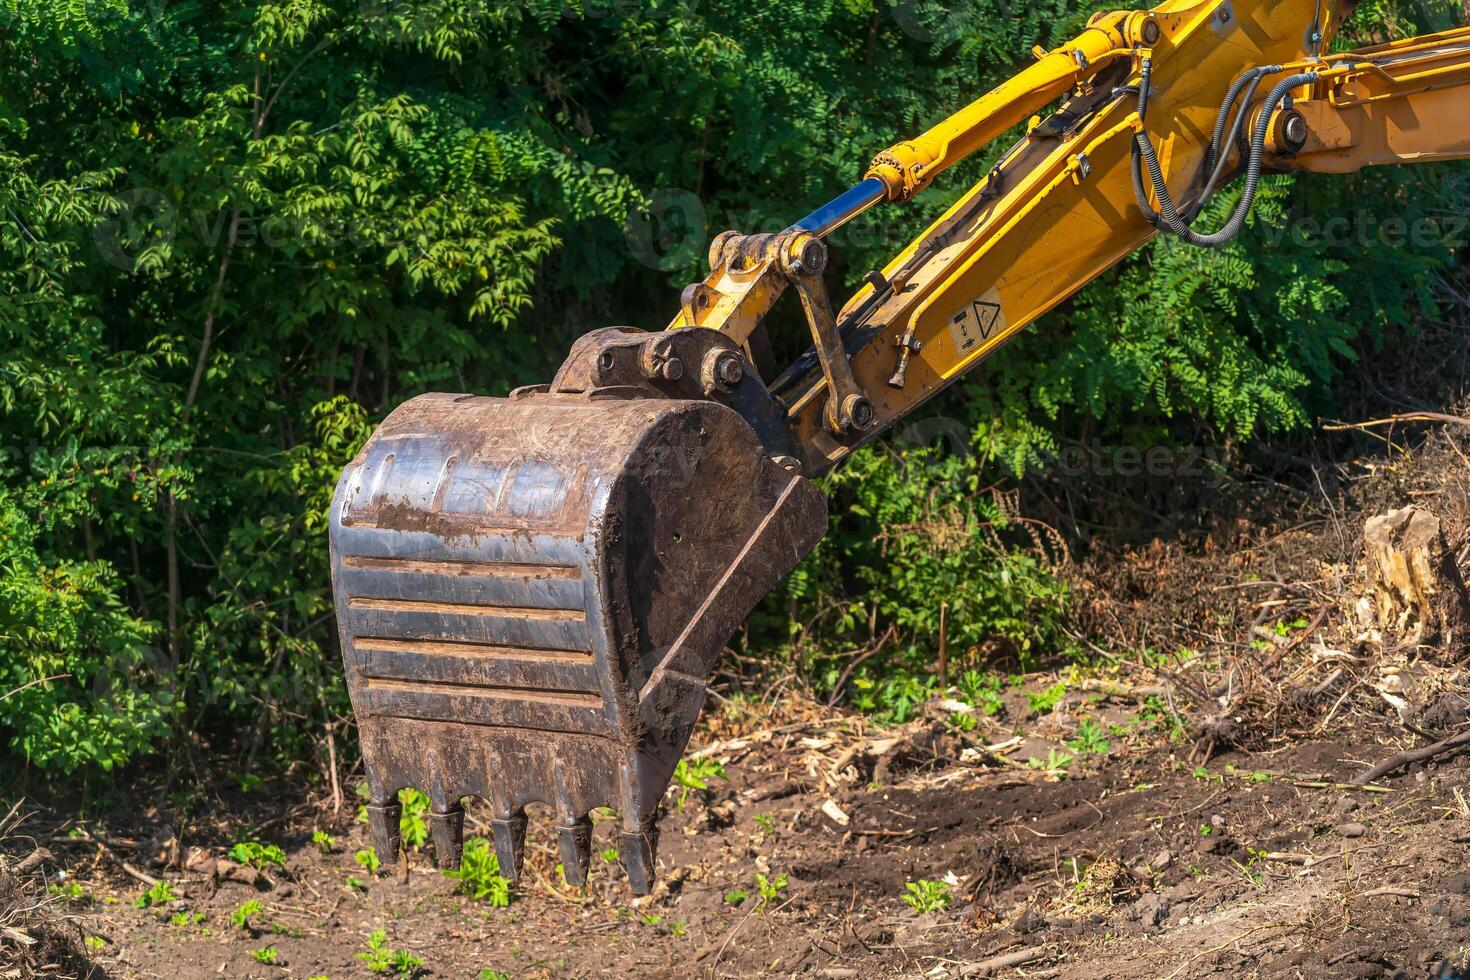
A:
x: 532, y: 594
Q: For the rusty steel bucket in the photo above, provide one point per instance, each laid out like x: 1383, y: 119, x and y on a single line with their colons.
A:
x: 532, y: 593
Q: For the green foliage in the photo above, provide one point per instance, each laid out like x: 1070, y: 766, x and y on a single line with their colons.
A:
x: 1156, y: 715
x: 489, y: 974
x: 75, y: 657
x: 1055, y: 761
x: 367, y: 858
x: 913, y: 531
x: 268, y: 955
x: 736, y: 896
x: 770, y: 888
x: 159, y: 893
x: 1089, y: 740
x: 244, y: 914
x: 232, y: 237
x: 324, y: 841
x: 926, y: 896
x: 72, y: 891
x: 695, y: 774
x: 479, y: 874
x: 1041, y: 702
x: 382, y: 958
x: 257, y: 855
x: 413, y: 825
x: 981, y: 690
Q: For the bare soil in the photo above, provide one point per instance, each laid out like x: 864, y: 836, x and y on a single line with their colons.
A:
x: 1144, y: 866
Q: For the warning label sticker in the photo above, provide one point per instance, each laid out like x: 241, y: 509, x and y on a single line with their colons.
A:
x: 976, y: 322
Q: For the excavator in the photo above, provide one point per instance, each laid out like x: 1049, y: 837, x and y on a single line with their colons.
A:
x: 533, y: 591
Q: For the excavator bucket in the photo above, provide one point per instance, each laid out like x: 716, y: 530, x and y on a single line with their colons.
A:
x: 532, y: 593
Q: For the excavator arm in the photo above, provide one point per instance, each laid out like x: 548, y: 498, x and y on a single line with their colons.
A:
x: 533, y: 591
x: 1062, y: 205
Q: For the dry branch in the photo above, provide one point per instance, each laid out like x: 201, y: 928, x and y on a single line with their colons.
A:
x: 1412, y: 756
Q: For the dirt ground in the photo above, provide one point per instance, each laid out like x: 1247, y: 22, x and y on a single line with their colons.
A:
x: 1145, y: 866
x: 1175, y: 799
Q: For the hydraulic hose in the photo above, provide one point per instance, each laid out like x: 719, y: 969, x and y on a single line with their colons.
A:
x: 1214, y: 159
x: 1218, y: 154
x: 1168, y: 213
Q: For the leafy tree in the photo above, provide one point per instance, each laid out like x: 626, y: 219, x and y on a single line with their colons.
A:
x: 233, y: 237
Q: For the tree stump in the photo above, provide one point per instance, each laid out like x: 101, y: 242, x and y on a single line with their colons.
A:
x: 1419, y: 594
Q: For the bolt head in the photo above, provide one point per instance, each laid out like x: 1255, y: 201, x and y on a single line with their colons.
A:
x: 673, y: 369
x: 810, y: 256
x: 728, y: 369
x: 859, y: 411
x: 1294, y: 130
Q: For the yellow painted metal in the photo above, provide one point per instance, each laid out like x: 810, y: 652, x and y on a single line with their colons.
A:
x: 1059, y: 208
x: 1059, y: 212
x: 908, y: 167
x: 742, y: 286
x: 1404, y: 102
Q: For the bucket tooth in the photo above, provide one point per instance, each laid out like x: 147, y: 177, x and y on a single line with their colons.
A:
x: 575, y: 846
x: 639, y: 853
x: 447, y: 830
x: 510, y: 844
x: 533, y: 592
x: 383, y: 825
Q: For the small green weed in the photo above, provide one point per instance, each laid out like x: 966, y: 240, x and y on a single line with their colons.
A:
x: 610, y: 855
x: 245, y: 912
x: 926, y: 896
x: 184, y: 920
x: 268, y: 955
x: 771, y: 888
x: 413, y: 826
x: 1090, y: 739
x: 368, y: 859
x: 324, y: 841
x: 982, y: 690
x: 695, y: 774
x: 382, y: 958
x: 489, y: 974
x: 1156, y: 715
x: 479, y: 874
x: 736, y: 896
x: 72, y: 891
x: 1248, y: 871
x: 257, y: 855
x: 1041, y: 702
x: 962, y: 721
x: 765, y: 824
x: 1055, y: 761
x: 160, y: 893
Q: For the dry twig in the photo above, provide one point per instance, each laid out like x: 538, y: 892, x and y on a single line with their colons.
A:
x: 1411, y: 756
